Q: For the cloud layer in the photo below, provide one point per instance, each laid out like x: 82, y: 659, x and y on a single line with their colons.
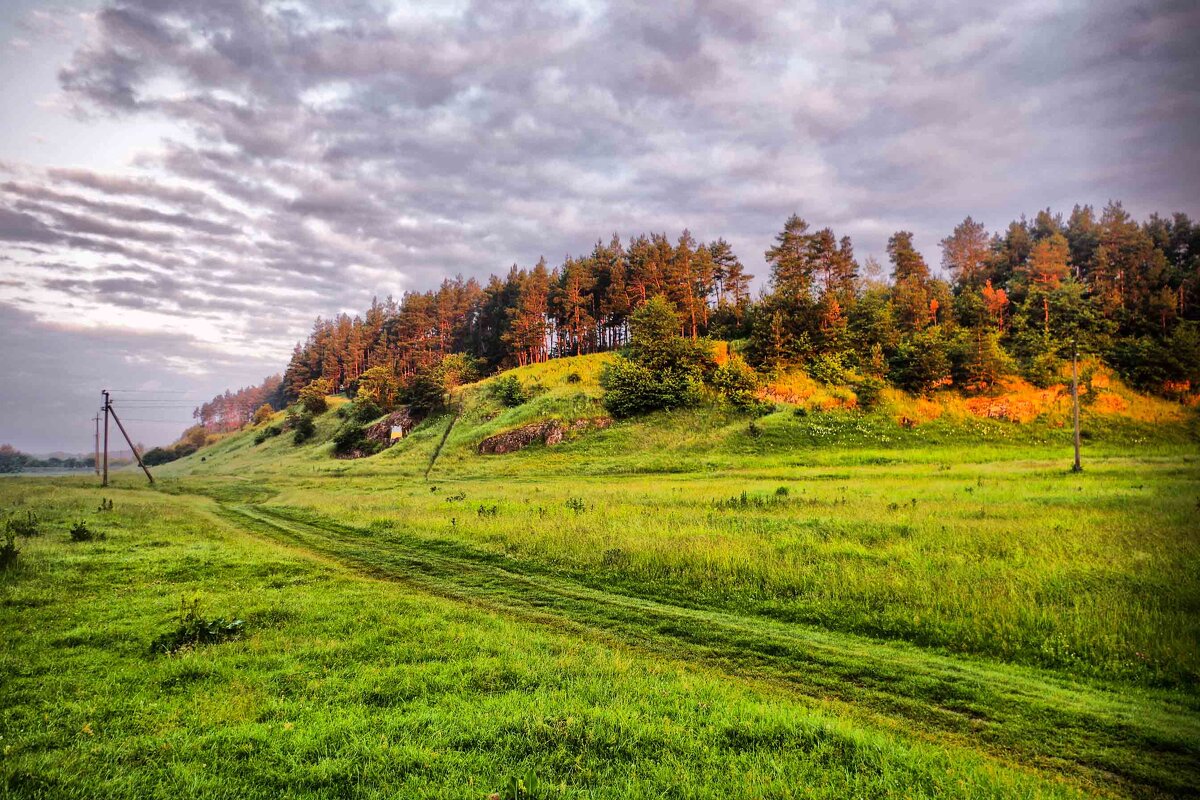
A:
x: 325, y: 153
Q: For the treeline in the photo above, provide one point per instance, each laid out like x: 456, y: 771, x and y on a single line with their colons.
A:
x: 13, y: 461
x: 232, y: 410
x: 530, y: 315
x: 1012, y: 301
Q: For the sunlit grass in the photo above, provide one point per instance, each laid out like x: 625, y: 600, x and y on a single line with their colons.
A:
x: 344, y: 686
x: 952, y: 582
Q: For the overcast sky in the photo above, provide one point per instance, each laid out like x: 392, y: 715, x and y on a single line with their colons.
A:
x: 186, y: 184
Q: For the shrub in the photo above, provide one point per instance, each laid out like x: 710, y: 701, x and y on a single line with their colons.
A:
x: 378, y: 385
x: 158, y: 455
x: 351, y: 438
x: 630, y: 388
x: 977, y: 361
x: 660, y: 369
x: 869, y: 392
x: 194, y: 437
x: 1152, y: 364
x: 304, y: 429
x: 456, y: 369
x: 80, y: 532
x: 262, y: 414
x: 193, y: 629
x: 26, y: 526
x: 827, y: 368
x: 9, y: 551
x: 312, y: 397
x: 269, y: 432
x: 509, y: 392
x: 363, y: 409
x: 737, y: 382
x: 423, y: 393
x: 1042, y: 370
x: 746, y: 501
x: 921, y: 363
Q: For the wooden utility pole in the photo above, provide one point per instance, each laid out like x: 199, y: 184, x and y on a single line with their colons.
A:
x: 104, y: 480
x: 96, y: 460
x: 1075, y: 401
x: 108, y: 409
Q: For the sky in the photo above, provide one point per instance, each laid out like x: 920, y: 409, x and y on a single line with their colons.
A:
x: 185, y: 186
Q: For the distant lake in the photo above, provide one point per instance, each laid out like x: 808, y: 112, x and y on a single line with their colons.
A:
x: 47, y: 472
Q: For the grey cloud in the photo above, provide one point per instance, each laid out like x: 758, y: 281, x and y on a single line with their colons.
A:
x: 121, y: 211
x: 41, y: 413
x: 324, y: 142
x: 19, y: 226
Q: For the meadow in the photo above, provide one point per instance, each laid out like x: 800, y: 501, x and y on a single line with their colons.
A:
x: 695, y: 604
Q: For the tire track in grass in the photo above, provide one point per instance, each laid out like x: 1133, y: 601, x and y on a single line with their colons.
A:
x: 1135, y: 741
x: 446, y: 435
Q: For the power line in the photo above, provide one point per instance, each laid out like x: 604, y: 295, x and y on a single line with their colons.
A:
x: 152, y: 391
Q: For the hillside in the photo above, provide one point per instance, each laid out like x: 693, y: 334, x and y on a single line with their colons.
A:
x: 814, y: 418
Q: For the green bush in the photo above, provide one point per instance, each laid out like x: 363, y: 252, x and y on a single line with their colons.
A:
x: 827, y: 368
x: 312, y: 397
x: 363, y: 409
x: 659, y: 369
x: 1153, y: 364
x: 268, y: 432
x: 351, y: 437
x: 80, y: 532
x: 1042, y: 370
x: 193, y: 629
x: 424, y: 393
x: 304, y: 429
x: 921, y: 362
x: 737, y: 382
x: 508, y: 391
x: 869, y: 392
x: 158, y: 455
x: 9, y: 551
x: 630, y: 388
x: 26, y: 526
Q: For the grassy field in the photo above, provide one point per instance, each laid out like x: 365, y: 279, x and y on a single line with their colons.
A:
x: 698, y: 604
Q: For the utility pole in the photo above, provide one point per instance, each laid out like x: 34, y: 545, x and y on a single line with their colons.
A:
x: 104, y: 480
x: 96, y: 460
x: 1075, y: 401
x: 108, y: 409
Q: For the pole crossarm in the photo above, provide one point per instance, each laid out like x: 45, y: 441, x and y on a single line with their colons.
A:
x: 109, y: 410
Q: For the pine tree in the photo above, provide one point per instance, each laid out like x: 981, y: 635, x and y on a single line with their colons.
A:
x: 965, y: 253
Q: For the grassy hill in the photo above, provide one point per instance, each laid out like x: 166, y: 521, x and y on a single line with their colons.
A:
x: 809, y: 417
x: 918, y: 601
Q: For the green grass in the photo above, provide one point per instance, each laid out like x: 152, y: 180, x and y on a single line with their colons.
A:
x: 828, y: 606
x: 350, y: 686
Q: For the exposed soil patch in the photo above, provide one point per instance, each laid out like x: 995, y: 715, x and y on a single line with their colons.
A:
x: 550, y: 432
x: 403, y: 419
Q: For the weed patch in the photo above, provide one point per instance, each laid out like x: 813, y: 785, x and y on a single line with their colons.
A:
x: 9, y: 551
x: 194, y: 629
x: 80, y: 532
x: 22, y: 525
